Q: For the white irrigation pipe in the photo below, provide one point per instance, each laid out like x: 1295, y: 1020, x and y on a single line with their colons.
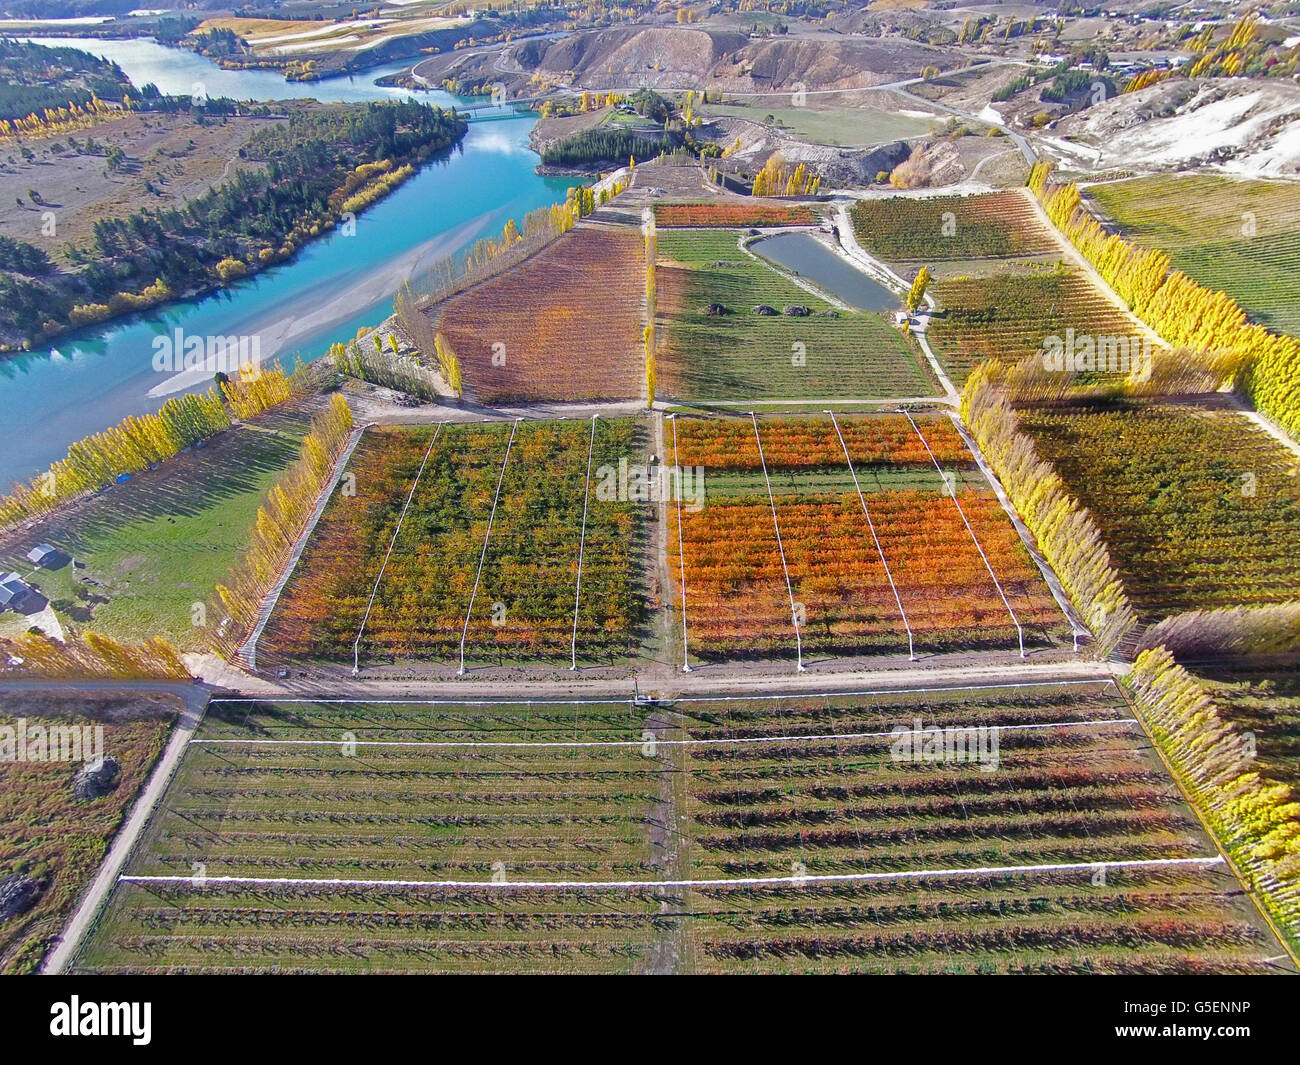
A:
x: 356, y: 647
x: 634, y: 885
x: 582, y: 542
x: 486, y: 537
x: 1100, y: 679
x: 911, y: 647
x: 794, y: 610
x: 827, y: 737
x: 681, y: 545
x: 974, y: 539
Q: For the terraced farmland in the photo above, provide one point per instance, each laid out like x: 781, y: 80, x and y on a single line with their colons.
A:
x: 1200, y: 508
x: 844, y: 552
x: 525, y: 594
x: 1235, y: 235
x: 564, y: 325
x: 715, y: 346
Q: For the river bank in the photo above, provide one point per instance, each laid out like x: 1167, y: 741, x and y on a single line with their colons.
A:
x: 335, y: 285
x: 191, y: 217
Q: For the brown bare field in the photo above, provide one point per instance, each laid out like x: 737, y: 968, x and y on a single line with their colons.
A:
x: 51, y: 837
x: 171, y: 154
x: 565, y: 325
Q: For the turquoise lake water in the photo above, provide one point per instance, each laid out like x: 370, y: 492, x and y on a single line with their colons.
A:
x: 810, y: 258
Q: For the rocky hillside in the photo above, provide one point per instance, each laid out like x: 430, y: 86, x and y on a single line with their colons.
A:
x: 1246, y: 127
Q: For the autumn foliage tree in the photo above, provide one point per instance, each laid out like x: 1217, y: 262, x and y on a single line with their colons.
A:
x: 1208, y: 324
x: 917, y: 292
x: 93, y: 656
x: 1066, y: 532
x: 56, y: 121
x: 449, y: 364
x: 280, y: 521
x: 254, y: 389
x: 129, y: 447
x: 913, y: 172
x: 1256, y: 818
x: 778, y: 179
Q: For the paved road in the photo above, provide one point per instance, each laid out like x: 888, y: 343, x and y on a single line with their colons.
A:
x: 194, y: 700
x: 901, y: 88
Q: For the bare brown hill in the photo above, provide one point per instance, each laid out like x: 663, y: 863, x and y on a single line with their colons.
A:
x: 679, y: 57
x: 662, y: 57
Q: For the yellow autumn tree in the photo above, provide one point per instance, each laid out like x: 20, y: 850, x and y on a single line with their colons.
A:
x: 1211, y: 326
x: 917, y: 292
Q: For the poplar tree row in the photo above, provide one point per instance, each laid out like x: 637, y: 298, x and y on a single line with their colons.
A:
x: 94, y: 656
x: 1256, y: 818
x: 254, y: 390
x: 448, y: 364
x: 1209, y: 324
x: 281, y: 519
x: 126, y: 448
x: 137, y: 442
x: 55, y: 121
x: 1066, y: 532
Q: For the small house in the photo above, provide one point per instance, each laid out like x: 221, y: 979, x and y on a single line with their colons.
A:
x: 14, y: 591
x: 45, y: 556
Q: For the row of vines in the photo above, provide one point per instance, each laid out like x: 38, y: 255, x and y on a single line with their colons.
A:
x: 1187, y: 314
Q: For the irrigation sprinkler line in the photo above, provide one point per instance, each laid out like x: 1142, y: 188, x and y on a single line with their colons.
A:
x: 1101, y: 679
x: 486, y: 537
x: 776, y: 524
x: 356, y: 647
x: 636, y: 885
x: 974, y: 539
x: 681, y: 545
x: 1077, y: 626
x: 828, y: 737
x: 911, y: 646
x: 582, y: 543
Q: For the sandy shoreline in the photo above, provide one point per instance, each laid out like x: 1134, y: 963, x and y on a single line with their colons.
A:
x: 343, y: 299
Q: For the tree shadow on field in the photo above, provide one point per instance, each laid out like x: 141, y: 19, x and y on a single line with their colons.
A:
x: 194, y: 482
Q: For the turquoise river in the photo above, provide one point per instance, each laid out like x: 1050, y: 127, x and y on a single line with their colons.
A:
x: 88, y: 381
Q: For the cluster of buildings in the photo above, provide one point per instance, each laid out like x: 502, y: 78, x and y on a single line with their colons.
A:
x: 16, y: 593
